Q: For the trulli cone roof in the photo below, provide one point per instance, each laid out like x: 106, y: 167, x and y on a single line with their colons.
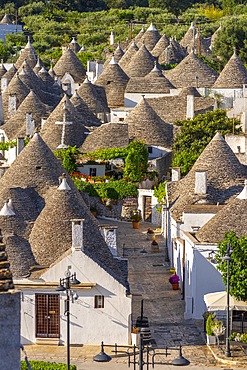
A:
x: 141, y: 64
x: 128, y: 55
x: 69, y: 63
x: 28, y: 54
x: 73, y: 45
x: 160, y: 46
x: 85, y: 113
x: 151, y: 37
x: 188, y: 37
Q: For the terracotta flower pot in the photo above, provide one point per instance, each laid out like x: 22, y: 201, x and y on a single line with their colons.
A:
x: 136, y: 224
x: 175, y: 286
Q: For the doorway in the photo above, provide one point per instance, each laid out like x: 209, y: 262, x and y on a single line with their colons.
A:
x: 147, y: 203
x: 47, y: 315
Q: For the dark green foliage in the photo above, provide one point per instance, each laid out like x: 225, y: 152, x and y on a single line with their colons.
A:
x: 209, y: 323
x: 68, y: 157
x: 136, y: 162
x: 160, y: 192
x: 42, y: 365
x: 238, y: 264
x: 195, y: 134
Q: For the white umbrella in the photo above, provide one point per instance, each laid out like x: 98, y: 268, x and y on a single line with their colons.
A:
x: 217, y: 302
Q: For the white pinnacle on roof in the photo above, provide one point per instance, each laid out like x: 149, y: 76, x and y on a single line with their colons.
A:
x: 73, y: 41
x: 192, y: 26
x: 86, y: 81
x: 155, y: 69
x: 10, y: 204
x: 151, y: 28
x: 243, y: 194
x: 6, y: 211
x: 113, y: 61
x: 64, y: 185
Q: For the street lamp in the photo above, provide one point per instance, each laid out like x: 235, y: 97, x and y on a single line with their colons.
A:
x: 65, y: 285
x: 227, y: 258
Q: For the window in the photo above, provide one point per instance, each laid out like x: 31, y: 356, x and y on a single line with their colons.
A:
x: 150, y: 150
x: 92, y: 171
x: 99, y: 301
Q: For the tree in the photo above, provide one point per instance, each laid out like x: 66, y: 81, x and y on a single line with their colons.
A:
x: 136, y: 162
x: 195, y: 134
x: 68, y: 157
x: 238, y: 264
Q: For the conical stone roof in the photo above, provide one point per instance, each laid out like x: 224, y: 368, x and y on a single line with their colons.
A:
x: 52, y: 132
x: 3, y: 70
x: 114, y: 80
x: 189, y: 36
x: 85, y: 113
x: 36, y: 166
x: 192, y: 71
x: 69, y: 63
x: 225, y: 174
x: 87, y: 91
x: 141, y: 64
x: 173, y: 53
x: 10, y: 73
x: 145, y: 125
x: 16, y: 126
x: 5, y: 20
x: 109, y: 135
x: 234, y: 74
x: 38, y: 66
x: 128, y: 55
x: 28, y: 54
x: 138, y: 38
x: 31, y: 80
x: 160, y: 46
x: 151, y: 37
x: 73, y: 45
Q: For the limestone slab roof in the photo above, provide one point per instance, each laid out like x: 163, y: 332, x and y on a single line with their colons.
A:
x: 232, y: 217
x: 15, y: 126
x: 151, y: 37
x: 89, y: 94
x: 144, y: 124
x: 160, y: 46
x: 225, y: 176
x: 10, y: 73
x: 234, y: 74
x: 189, y: 36
x: 173, y: 53
x: 6, y: 20
x: 28, y: 54
x: 52, y: 132
x: 192, y: 71
x: 173, y: 108
x: 128, y: 55
x: 109, y: 135
x: 69, y: 63
x: 138, y: 37
x: 38, y: 65
x: 73, y: 45
x: 3, y: 70
x: 87, y: 116
x: 141, y: 63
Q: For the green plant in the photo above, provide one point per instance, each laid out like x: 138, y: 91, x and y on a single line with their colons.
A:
x: 160, y: 192
x: 238, y: 337
x: 42, y: 365
x: 209, y: 323
x: 136, y: 215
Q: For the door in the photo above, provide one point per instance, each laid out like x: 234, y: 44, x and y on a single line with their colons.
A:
x: 47, y: 315
x: 147, y: 208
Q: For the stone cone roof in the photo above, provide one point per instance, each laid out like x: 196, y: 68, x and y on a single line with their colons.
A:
x: 31, y: 80
x: 232, y: 217
x: 88, y: 92
x: 190, y: 91
x: 160, y: 46
x: 10, y: 73
x: 15, y: 87
x: 185, y: 73
x: 204, y: 46
x: 49, y: 243
x: 36, y: 166
x: 69, y: 63
x: 109, y: 135
x: 73, y: 45
x: 141, y: 64
x: 214, y: 36
x: 118, y: 53
x: 151, y: 37
x: 188, y: 37
x: 138, y: 38
x: 46, y: 77
x: 3, y: 70
x: 5, y: 20
x: 28, y: 54
x: 16, y: 126
x: 114, y: 80
x: 38, y: 66
x: 74, y: 130
x: 85, y: 113
x: 234, y: 74
x: 145, y: 125
x: 173, y: 53
x: 225, y: 174
x: 128, y: 55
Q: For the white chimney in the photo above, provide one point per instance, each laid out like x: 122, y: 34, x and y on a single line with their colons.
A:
x: 201, y: 182
x: 20, y: 144
x: 176, y: 174
x: 30, y: 125
x: 190, y: 112
x: 112, y: 38
x: 12, y: 105
x: 4, y: 84
x: 43, y: 121
x: 77, y: 234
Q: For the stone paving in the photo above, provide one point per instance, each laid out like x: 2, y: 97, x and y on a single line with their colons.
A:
x: 164, y: 307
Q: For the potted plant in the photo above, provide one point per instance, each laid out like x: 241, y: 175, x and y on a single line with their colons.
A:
x: 239, y: 339
x: 136, y: 218
x: 174, y: 280
x: 154, y: 246
x: 150, y: 234
x: 211, y: 339
x: 218, y: 329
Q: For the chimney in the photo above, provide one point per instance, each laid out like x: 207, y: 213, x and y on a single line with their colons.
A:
x: 190, y: 112
x: 12, y: 105
x: 77, y: 234
x: 4, y: 84
x: 20, y: 144
x: 30, y: 125
x: 112, y: 38
x: 201, y: 182
x: 176, y: 174
x: 43, y: 121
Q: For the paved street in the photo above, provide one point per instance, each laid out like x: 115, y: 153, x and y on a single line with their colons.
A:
x: 148, y: 277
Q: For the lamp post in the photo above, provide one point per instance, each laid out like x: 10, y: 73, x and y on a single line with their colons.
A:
x: 227, y: 258
x: 65, y: 285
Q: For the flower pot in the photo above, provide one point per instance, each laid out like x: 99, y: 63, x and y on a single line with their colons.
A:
x: 136, y: 224
x: 135, y: 339
x: 175, y: 286
x: 211, y: 339
x: 150, y: 236
x: 155, y: 248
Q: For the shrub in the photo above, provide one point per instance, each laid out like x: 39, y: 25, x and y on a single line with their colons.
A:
x: 42, y: 365
x: 210, y: 323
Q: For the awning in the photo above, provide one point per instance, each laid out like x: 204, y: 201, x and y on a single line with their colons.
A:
x: 217, y: 302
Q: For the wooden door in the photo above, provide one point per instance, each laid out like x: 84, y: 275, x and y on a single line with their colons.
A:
x: 47, y: 315
x: 147, y: 208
